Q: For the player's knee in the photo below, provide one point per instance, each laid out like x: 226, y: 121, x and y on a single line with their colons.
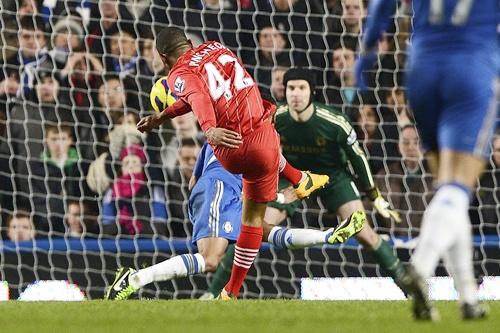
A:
x: 211, y: 263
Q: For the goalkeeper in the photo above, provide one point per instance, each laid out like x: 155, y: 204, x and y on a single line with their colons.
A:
x: 318, y: 138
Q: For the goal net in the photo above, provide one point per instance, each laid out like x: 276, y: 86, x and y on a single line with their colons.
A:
x: 82, y: 193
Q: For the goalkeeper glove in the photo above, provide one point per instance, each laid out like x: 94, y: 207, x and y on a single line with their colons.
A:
x: 382, y: 206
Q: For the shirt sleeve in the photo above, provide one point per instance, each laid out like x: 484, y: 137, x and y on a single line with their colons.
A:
x: 179, y: 108
x: 379, y: 18
x: 191, y: 88
x: 356, y: 155
x: 200, y: 161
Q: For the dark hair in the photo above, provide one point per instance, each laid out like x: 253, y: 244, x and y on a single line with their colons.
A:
x: 169, y: 39
x: 191, y: 142
x: 108, y: 77
x: 18, y: 214
x: 59, y: 128
x: 406, y: 126
x: 32, y: 23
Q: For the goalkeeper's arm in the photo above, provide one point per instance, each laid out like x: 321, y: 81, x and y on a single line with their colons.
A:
x: 361, y: 168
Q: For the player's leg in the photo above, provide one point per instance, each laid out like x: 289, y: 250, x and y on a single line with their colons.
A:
x: 466, y: 121
x: 372, y: 242
x: 221, y: 275
x: 294, y: 238
x: 211, y: 250
x: 384, y: 255
x: 247, y: 246
x: 273, y: 217
x: 214, y: 213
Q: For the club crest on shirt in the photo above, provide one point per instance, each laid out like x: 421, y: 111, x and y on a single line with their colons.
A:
x: 228, y: 227
x: 179, y: 85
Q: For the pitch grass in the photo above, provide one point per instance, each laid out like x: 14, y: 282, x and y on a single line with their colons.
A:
x: 241, y: 316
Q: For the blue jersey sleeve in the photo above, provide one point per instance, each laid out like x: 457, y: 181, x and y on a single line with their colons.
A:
x: 379, y: 18
x: 200, y: 161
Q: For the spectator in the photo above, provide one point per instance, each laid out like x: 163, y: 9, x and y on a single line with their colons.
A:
x: 123, y: 57
x: 272, y: 51
x: 485, y: 208
x: 55, y: 178
x: 152, y: 59
x: 277, y: 87
x: 73, y: 219
x: 26, y: 127
x: 131, y: 207
x: 407, y: 184
x: 28, y: 8
x: 12, y: 11
x: 104, y: 19
x: 217, y: 22
x: 20, y: 227
x: 185, y: 127
x: 32, y: 47
x: 346, y: 30
x: 379, y: 143
x: 78, y: 219
x: 396, y: 109
x: 112, y: 106
x: 53, y: 11
x: 177, y: 188
x: 342, y: 86
x: 67, y: 38
x: 103, y: 170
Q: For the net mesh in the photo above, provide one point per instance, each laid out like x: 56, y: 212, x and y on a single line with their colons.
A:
x: 76, y: 76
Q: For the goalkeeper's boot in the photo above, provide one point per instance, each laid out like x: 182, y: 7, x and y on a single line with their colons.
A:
x: 348, y: 228
x: 225, y: 296
x: 121, y: 289
x: 310, y: 183
x: 474, y: 311
x: 416, y: 286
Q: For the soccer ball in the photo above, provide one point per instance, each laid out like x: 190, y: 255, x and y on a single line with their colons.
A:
x: 161, y: 96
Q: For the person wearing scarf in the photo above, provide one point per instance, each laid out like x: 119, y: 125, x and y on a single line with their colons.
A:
x: 126, y: 205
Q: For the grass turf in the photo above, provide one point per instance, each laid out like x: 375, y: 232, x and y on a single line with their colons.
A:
x: 241, y: 316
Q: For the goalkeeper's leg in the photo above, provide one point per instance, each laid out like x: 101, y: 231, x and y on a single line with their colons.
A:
x: 371, y: 241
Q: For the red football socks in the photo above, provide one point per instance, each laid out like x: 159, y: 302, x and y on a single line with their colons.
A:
x: 246, y: 250
x: 291, y: 174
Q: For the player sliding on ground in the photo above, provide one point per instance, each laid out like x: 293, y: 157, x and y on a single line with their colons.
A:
x: 210, y: 81
x: 215, y: 211
x: 326, y: 144
x: 450, y: 78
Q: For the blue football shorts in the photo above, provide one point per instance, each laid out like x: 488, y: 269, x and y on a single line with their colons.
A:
x: 215, y: 210
x: 453, y: 99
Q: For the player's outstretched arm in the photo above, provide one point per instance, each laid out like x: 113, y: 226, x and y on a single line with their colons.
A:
x: 379, y: 15
x: 179, y: 108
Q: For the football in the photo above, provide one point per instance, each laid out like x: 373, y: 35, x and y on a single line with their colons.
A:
x: 161, y: 96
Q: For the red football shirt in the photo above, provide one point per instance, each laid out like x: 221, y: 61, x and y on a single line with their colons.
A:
x: 221, y: 93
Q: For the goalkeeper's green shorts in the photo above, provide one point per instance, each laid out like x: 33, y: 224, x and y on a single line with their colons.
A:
x: 339, y: 191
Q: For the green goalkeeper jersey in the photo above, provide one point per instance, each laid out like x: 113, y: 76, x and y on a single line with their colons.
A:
x: 324, y: 144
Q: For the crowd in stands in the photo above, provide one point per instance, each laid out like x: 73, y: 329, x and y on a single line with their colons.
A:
x: 75, y: 77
